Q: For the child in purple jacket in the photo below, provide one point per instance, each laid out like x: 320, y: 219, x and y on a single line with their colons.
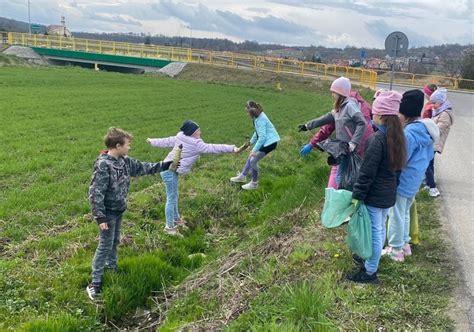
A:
x: 193, y: 146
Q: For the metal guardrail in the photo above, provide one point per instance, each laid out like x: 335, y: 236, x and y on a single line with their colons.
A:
x: 419, y: 80
x: 228, y: 59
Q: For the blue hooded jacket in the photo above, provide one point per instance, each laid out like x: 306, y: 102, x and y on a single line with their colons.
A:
x: 420, y: 151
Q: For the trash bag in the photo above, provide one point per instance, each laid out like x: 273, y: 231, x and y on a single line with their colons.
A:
x: 352, y: 171
x: 337, y: 207
x: 359, y: 232
x: 414, y: 231
x: 337, y: 149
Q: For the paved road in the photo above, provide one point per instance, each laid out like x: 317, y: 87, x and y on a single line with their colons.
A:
x: 455, y: 180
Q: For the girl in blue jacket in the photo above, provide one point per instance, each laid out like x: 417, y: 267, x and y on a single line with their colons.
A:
x: 419, y: 137
x: 264, y: 140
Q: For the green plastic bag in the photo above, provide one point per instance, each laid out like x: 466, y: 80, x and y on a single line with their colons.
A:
x: 337, y: 207
x: 359, y: 232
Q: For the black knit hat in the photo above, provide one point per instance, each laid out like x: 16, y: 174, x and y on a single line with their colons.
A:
x: 412, y: 103
x: 189, y: 127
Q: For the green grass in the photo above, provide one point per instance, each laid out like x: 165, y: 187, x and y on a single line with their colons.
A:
x: 254, y: 260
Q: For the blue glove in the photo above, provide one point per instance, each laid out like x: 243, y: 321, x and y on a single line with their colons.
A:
x: 305, y: 150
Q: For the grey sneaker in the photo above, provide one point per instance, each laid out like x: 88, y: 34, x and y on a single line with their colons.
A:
x: 239, y: 178
x: 434, y: 192
x: 173, y: 231
x: 250, y: 186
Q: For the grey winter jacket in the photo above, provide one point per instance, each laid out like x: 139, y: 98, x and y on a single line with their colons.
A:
x: 349, y: 121
x: 110, y: 181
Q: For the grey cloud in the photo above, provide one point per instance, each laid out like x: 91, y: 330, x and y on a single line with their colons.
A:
x: 259, y: 10
x: 380, y: 29
x: 414, y: 9
x: 116, y: 19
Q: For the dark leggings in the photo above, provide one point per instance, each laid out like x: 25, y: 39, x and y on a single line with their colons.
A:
x: 430, y: 181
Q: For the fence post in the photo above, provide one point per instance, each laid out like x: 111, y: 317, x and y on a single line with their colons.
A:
x: 302, y: 68
x: 456, y: 84
x: 413, y: 79
x: 87, y: 45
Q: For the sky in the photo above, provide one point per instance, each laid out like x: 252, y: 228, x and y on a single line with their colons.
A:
x: 336, y: 23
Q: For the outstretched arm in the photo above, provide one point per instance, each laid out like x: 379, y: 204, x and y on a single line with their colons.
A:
x: 167, y: 142
x: 139, y: 168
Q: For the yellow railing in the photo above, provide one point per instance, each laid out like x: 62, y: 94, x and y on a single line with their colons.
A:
x: 229, y: 59
x: 419, y: 80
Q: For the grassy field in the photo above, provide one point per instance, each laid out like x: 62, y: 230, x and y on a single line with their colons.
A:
x: 250, y: 260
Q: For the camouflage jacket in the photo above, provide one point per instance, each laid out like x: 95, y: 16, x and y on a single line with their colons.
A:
x: 110, y: 181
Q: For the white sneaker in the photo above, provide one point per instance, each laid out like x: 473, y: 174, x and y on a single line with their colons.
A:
x: 434, y: 192
x: 173, y: 231
x: 250, y: 186
x: 239, y: 178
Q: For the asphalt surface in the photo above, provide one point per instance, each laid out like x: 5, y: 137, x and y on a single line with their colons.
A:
x: 455, y: 180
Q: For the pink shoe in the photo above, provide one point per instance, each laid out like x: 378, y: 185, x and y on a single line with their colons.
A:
x: 407, y: 250
x: 395, y: 254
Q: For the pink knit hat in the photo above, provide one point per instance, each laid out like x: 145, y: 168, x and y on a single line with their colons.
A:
x: 427, y: 91
x: 387, y: 103
x: 341, y: 86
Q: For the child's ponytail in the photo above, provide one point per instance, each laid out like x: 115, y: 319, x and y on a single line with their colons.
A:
x: 396, y: 147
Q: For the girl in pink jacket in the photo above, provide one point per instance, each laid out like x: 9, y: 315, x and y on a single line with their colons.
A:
x: 193, y: 146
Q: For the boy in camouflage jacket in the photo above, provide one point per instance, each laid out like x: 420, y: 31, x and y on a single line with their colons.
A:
x: 108, y: 198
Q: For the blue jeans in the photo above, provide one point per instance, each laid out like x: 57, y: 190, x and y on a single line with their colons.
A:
x: 106, y: 252
x: 399, y: 222
x: 378, y: 217
x: 341, y: 170
x: 170, y: 179
x: 429, y: 174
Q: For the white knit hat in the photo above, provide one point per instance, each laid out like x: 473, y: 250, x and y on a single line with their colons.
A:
x: 439, y: 96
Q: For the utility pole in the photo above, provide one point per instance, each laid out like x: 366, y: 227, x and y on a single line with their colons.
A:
x: 29, y: 17
x: 190, y: 36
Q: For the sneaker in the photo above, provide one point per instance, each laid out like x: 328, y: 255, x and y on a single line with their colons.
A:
x: 362, y: 277
x: 387, y: 250
x: 93, y: 290
x: 173, y: 231
x: 407, y: 250
x: 239, y: 178
x: 250, y: 186
x: 180, y: 222
x: 359, y: 261
x: 434, y: 192
x: 396, y: 255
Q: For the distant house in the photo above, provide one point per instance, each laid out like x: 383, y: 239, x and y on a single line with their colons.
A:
x: 59, y: 30
x: 384, y: 65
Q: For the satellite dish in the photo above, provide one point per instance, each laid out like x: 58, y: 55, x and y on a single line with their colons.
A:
x: 396, y: 44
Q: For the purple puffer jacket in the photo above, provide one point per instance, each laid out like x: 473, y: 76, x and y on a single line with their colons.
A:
x: 192, y: 149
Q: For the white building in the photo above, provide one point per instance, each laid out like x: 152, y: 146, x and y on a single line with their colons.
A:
x: 59, y: 30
